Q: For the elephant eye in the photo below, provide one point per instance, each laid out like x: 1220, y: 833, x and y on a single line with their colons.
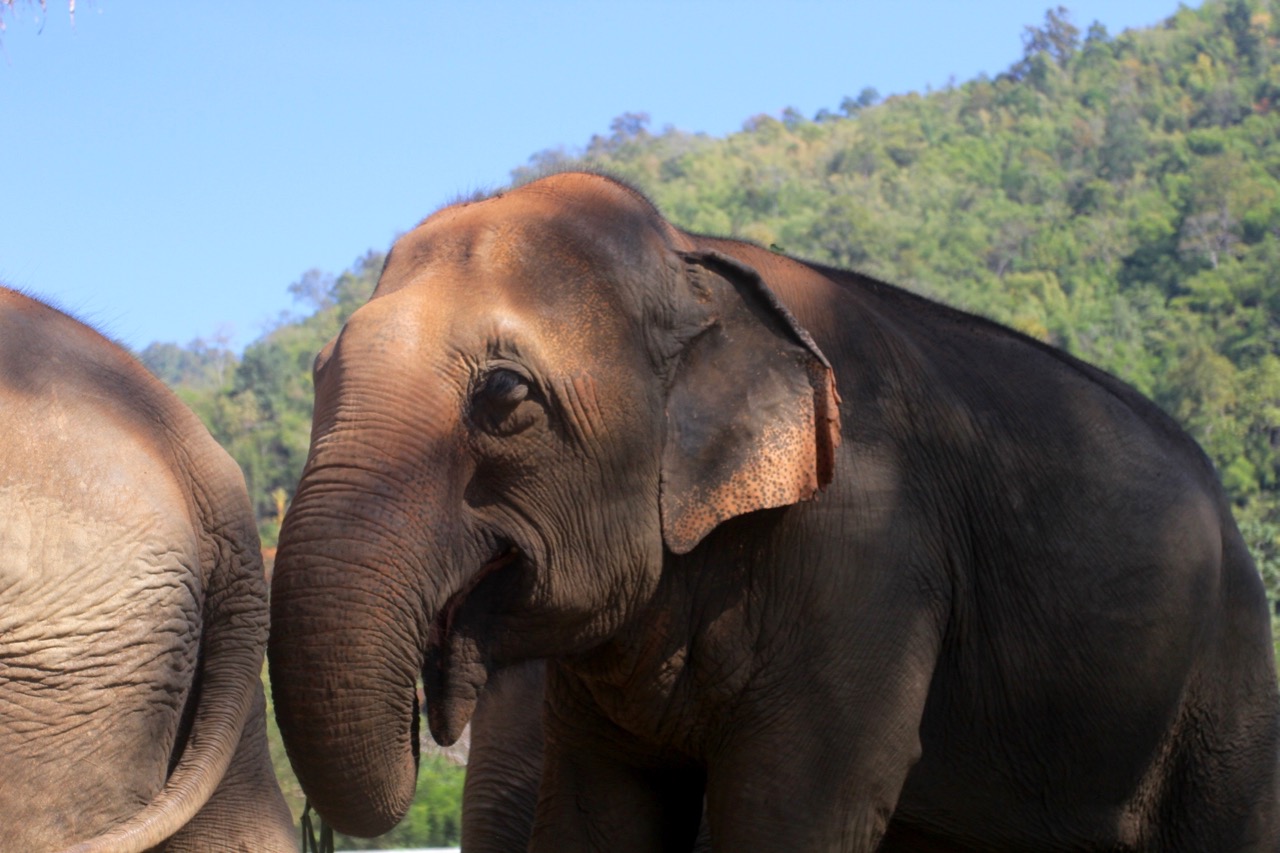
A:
x: 496, y: 405
x: 505, y: 387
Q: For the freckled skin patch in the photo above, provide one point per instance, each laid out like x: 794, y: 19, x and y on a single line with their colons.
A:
x: 772, y: 479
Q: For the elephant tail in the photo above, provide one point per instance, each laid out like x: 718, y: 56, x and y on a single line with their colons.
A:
x: 233, y: 642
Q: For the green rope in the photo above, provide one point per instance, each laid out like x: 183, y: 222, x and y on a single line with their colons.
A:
x: 309, y: 842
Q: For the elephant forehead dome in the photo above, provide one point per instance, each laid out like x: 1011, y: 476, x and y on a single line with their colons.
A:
x: 571, y: 224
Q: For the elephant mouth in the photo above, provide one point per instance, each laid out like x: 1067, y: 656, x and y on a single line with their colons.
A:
x: 457, y: 661
x: 444, y: 621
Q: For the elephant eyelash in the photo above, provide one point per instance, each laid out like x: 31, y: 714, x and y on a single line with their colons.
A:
x: 498, y: 398
x: 506, y: 386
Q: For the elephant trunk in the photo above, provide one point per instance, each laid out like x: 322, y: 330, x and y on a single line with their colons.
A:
x: 345, y: 653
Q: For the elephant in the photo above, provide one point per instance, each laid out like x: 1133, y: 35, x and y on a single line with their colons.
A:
x: 833, y: 565
x: 133, y: 612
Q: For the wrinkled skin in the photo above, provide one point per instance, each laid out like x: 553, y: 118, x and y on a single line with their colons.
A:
x: 132, y: 610
x: 504, y: 766
x: 974, y: 595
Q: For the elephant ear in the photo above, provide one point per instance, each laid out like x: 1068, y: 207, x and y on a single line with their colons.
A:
x: 752, y: 410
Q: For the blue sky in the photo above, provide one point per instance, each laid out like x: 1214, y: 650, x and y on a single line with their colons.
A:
x: 169, y: 169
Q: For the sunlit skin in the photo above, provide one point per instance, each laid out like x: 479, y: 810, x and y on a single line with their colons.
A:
x: 133, y: 610
x: 826, y: 564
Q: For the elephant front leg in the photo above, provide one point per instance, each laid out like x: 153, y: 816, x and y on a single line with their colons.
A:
x: 608, y: 807
x: 599, y: 793
x: 820, y: 766
x: 768, y: 802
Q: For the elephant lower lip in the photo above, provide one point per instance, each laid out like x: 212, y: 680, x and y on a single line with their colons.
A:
x: 456, y: 668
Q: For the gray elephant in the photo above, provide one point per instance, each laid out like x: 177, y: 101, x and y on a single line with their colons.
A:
x: 862, y: 571
x: 133, y: 612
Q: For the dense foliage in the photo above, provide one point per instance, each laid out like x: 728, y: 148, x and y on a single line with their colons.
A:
x: 1118, y: 196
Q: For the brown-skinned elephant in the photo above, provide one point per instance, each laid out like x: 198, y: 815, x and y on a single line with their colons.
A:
x: 133, y: 613
x: 857, y: 568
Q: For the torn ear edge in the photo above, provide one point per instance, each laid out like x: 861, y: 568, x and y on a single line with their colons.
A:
x: 725, y: 462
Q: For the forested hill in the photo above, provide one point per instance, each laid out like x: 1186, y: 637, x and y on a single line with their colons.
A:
x: 1116, y: 195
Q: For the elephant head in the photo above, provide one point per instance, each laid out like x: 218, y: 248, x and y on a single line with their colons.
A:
x: 548, y: 391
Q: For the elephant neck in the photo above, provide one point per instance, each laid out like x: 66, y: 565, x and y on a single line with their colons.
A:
x: 682, y: 662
